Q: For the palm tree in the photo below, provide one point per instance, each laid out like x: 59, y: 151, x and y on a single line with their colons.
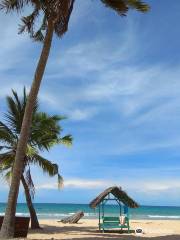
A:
x: 55, y: 18
x: 45, y: 132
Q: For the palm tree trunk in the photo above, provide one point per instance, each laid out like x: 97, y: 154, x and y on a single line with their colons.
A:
x: 7, y: 229
x: 34, y: 219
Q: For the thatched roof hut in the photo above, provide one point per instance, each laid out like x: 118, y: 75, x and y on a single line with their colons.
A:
x: 118, y: 193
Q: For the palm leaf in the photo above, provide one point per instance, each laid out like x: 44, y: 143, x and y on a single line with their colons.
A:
x: 6, y: 135
x: 28, y: 22
x: 62, y: 10
x: 123, y: 6
x: 4, y: 168
x: 7, y: 176
x: 7, y: 158
x: 45, y: 130
x: 2, y: 147
x: 14, y: 116
x: 138, y: 5
x: 60, y: 181
x: 46, y: 165
x: 11, y: 5
x: 6, y: 163
x: 66, y: 140
x: 16, y: 109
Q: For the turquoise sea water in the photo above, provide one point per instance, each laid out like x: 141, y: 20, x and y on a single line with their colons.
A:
x: 58, y: 211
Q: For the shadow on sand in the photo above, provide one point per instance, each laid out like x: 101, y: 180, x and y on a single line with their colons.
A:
x: 91, y: 233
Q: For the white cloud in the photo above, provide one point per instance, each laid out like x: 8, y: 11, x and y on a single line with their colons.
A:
x: 78, y: 183
x: 145, y: 186
x: 87, y: 184
x: 81, y: 114
x: 161, y: 186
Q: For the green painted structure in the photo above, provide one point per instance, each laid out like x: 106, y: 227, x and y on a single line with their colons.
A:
x: 107, y: 222
x: 114, y: 195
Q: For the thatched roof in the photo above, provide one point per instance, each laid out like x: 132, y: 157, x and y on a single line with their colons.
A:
x: 118, y: 193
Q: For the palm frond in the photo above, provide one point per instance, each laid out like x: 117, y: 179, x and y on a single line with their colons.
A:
x: 123, y: 6
x: 66, y: 140
x: 31, y: 151
x: 60, y: 181
x: 6, y: 135
x: 28, y: 22
x: 45, y: 130
x: 11, y: 5
x: 15, y: 113
x: 4, y: 168
x: 16, y: 109
x: 7, y: 158
x: 6, y: 163
x: 2, y: 147
x: 62, y: 11
x: 39, y: 35
x: 7, y: 176
x: 13, y: 116
x: 47, y: 166
x: 138, y: 5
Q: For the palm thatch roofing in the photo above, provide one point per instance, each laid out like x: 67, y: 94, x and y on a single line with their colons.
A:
x: 118, y: 193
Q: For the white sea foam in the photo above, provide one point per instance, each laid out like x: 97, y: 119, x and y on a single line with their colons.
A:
x: 40, y: 214
x: 87, y: 215
x: 22, y: 214
x: 53, y: 214
x: 90, y: 214
x: 17, y: 214
x: 164, y: 216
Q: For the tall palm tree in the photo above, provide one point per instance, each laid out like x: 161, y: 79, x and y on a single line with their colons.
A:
x: 55, y: 18
x: 44, y: 133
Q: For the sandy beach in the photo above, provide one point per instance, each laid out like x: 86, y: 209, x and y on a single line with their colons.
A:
x: 87, y: 229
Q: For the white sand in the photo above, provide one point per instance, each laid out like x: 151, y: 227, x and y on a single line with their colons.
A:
x: 88, y: 230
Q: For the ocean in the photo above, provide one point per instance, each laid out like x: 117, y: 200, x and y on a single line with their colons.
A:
x: 58, y: 211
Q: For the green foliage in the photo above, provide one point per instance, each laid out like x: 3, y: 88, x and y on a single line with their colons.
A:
x: 45, y: 132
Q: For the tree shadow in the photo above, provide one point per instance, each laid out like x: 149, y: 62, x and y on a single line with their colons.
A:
x: 92, y: 233
x: 170, y: 237
x: 63, y: 229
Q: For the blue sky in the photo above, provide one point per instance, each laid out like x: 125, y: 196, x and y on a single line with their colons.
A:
x: 117, y: 80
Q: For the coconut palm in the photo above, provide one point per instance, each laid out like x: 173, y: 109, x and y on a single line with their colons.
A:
x: 55, y: 15
x: 44, y: 133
